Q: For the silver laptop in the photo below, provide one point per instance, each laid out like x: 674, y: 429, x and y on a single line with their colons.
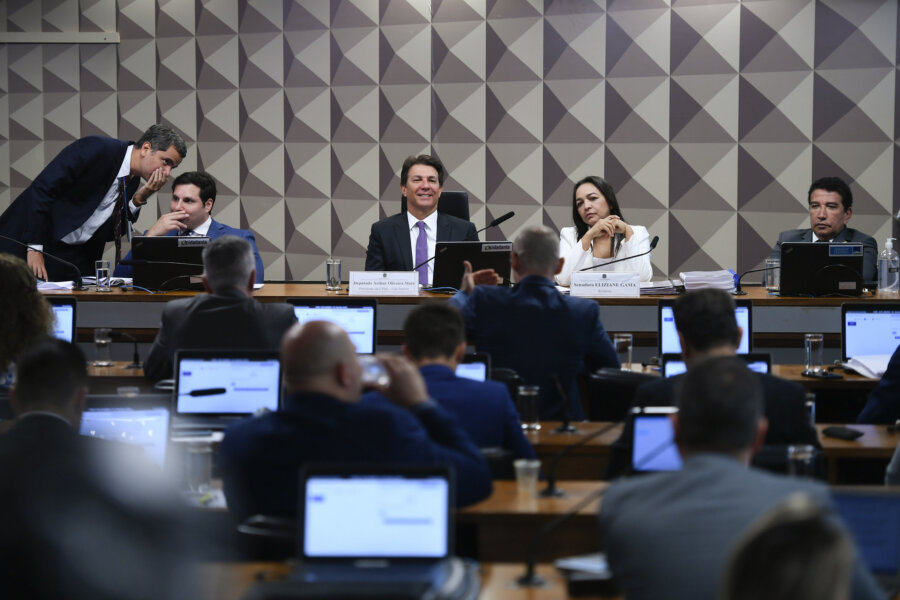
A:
x: 869, y: 328
x: 357, y: 316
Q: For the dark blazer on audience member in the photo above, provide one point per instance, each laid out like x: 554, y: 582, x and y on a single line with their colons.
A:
x: 389, y: 246
x: 541, y: 334
x: 484, y: 409
x: 216, y: 230
x: 218, y: 322
x: 847, y: 234
x: 785, y: 408
x: 260, y: 456
x: 883, y: 405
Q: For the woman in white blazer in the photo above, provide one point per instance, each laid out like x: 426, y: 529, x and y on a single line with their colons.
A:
x: 601, y: 234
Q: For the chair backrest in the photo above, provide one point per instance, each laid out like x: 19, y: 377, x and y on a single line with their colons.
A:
x: 455, y: 204
x: 611, y: 393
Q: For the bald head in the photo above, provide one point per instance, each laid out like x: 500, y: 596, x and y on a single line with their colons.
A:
x: 318, y: 356
x: 536, y: 252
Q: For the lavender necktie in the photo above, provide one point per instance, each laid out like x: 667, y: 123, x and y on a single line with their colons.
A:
x: 422, y: 253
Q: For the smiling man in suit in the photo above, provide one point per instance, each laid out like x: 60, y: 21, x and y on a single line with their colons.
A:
x: 193, y: 196
x: 402, y: 241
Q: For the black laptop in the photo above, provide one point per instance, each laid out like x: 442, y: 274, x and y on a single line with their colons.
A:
x: 821, y: 269
x: 449, y: 257
x: 168, y: 262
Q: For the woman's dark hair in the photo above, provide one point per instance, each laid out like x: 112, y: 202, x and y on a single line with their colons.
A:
x: 607, y: 190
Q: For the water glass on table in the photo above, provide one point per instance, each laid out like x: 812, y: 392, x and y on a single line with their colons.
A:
x: 529, y: 400
x: 623, y: 343
x: 102, y: 341
x: 101, y: 272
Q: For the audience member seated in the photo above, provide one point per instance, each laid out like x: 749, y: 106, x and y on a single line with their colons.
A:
x: 435, y: 340
x: 227, y: 317
x: 81, y: 518
x: 883, y: 405
x: 546, y: 337
x: 193, y: 196
x: 324, y: 419
x: 396, y: 242
x: 601, y: 234
x: 667, y: 535
x: 794, y: 552
x: 830, y: 208
x: 26, y: 314
x: 706, y: 329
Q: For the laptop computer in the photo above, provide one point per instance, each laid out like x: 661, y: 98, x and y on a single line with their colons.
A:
x: 449, y: 257
x: 357, y: 316
x: 213, y: 388
x: 821, y: 269
x: 147, y: 428
x: 869, y: 328
x: 872, y: 515
x: 64, y: 312
x: 668, y: 334
x: 653, y: 440
x: 759, y: 362
x: 168, y: 262
x: 375, y: 530
x: 475, y: 365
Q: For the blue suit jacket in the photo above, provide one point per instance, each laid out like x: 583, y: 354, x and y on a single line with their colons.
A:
x: 261, y: 456
x: 389, y: 247
x: 883, y: 405
x: 216, y: 229
x: 484, y: 409
x: 870, y: 248
x: 539, y: 333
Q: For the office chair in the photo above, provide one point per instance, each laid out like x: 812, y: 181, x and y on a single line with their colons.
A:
x: 455, y: 204
x: 261, y: 537
x: 611, y: 393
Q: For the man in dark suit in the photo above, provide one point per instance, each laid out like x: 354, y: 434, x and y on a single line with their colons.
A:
x: 403, y: 241
x: 883, y: 405
x: 546, y: 337
x: 193, y: 196
x: 830, y: 208
x: 707, y: 328
x: 227, y: 317
x: 86, y: 197
x: 323, y: 419
x: 435, y: 340
x: 668, y: 535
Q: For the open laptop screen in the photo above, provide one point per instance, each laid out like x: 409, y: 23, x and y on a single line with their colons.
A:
x: 869, y: 329
x: 873, y: 518
x: 758, y: 362
x: 227, y: 383
x: 387, y: 515
x: 668, y: 335
x: 475, y: 366
x: 357, y: 316
x: 147, y: 428
x: 653, y: 445
x: 63, y: 318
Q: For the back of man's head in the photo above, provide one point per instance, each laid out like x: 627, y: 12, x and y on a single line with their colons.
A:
x: 50, y: 375
x: 227, y: 264
x: 720, y: 406
x: 537, y: 251
x: 314, y: 356
x: 433, y: 331
x: 706, y: 319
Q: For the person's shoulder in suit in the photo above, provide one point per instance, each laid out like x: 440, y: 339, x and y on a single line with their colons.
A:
x: 380, y: 234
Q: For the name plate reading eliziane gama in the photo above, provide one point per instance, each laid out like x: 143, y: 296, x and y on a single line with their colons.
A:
x: 384, y: 283
x: 605, y: 285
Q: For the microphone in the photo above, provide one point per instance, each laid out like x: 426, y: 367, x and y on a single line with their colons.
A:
x: 76, y: 284
x: 551, y: 491
x: 653, y: 244
x: 136, y: 358
x: 141, y: 261
x: 737, y: 287
x: 566, y: 425
x: 494, y: 223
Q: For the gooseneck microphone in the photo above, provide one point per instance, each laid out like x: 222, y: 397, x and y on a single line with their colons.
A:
x: 493, y: 223
x: 76, y: 283
x: 136, y: 357
x: 551, y: 491
x: 737, y: 287
x: 653, y: 244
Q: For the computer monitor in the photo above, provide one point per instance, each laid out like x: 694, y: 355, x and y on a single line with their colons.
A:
x: 449, y: 257
x: 168, y: 262
x: 668, y: 334
x: 64, y: 312
x: 653, y: 443
x: 357, y: 316
x: 226, y: 383
x: 869, y: 328
x: 475, y: 365
x: 147, y: 428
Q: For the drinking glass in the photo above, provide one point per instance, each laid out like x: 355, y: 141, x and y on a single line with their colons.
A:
x: 101, y: 271
x: 623, y: 343
x: 332, y: 274
x: 530, y: 406
x: 813, y: 352
x: 102, y: 340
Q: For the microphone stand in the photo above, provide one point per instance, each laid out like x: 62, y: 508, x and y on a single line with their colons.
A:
x: 566, y: 426
x: 77, y: 286
x: 551, y: 491
x: 136, y: 357
x: 737, y: 288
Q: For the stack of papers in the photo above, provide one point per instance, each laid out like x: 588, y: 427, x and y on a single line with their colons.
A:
x: 698, y: 280
x: 664, y: 287
x: 872, y: 365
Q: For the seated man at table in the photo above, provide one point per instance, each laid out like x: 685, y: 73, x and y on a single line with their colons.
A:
x: 227, y: 317
x: 830, y: 208
x: 544, y: 336
x: 323, y: 418
x: 193, y: 196
x: 435, y: 340
x: 707, y: 328
x: 668, y: 535
x: 883, y: 405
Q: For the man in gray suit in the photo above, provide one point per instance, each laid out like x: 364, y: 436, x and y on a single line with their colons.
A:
x: 667, y: 535
x: 227, y: 317
x: 830, y: 208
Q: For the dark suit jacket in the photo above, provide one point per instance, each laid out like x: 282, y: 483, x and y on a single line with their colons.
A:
x: 784, y: 405
x: 216, y: 321
x: 261, y: 456
x: 883, y: 405
x: 62, y: 198
x: 539, y: 333
x: 870, y: 248
x: 216, y: 230
x: 389, y: 247
x: 484, y: 409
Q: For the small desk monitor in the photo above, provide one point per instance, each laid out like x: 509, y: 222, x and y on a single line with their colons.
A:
x: 475, y: 365
x: 668, y: 334
x: 869, y: 328
x: 168, y: 262
x: 357, y: 316
x: 449, y: 257
x: 226, y: 383
x: 653, y: 444
x: 64, y: 312
x: 147, y: 428
x: 758, y: 362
